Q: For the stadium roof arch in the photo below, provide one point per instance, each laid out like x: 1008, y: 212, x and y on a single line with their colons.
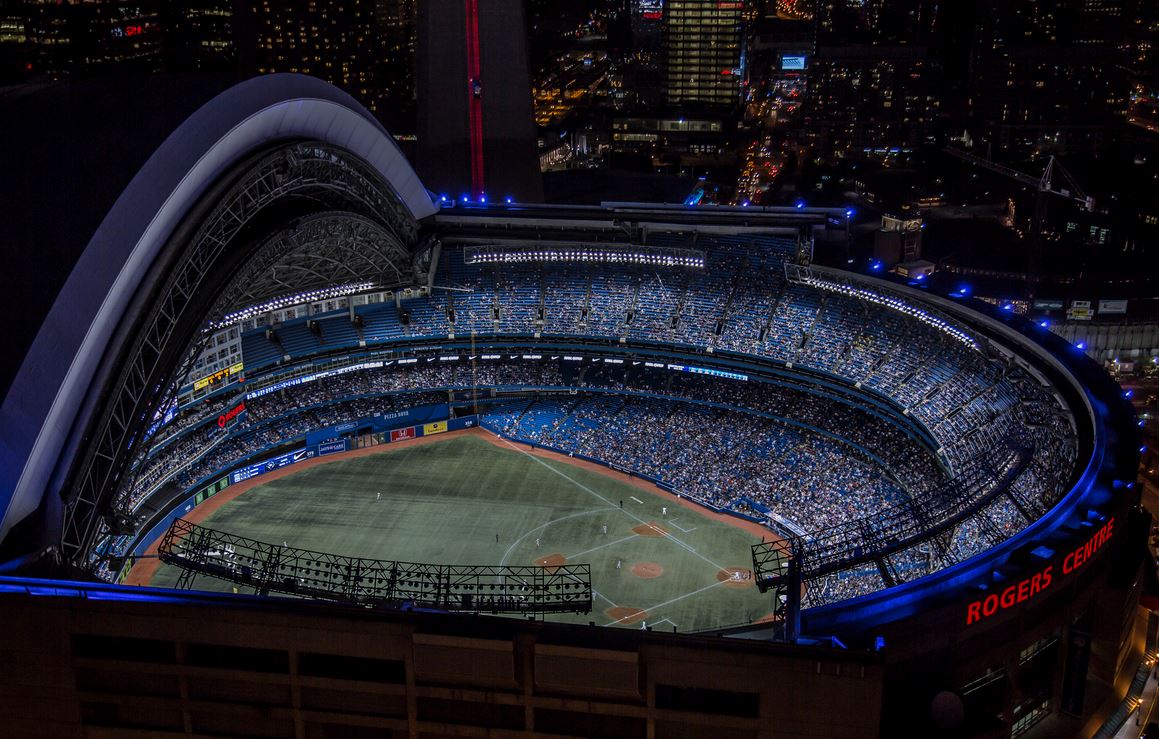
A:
x: 204, y: 223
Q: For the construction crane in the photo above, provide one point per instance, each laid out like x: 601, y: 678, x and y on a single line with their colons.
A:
x: 1043, y: 186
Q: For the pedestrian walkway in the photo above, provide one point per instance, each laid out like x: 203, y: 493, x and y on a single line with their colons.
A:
x: 1128, y: 720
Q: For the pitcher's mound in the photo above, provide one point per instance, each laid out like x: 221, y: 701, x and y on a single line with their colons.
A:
x: 552, y: 562
x: 650, y: 529
x: 647, y: 570
x: 735, y: 577
x: 626, y: 615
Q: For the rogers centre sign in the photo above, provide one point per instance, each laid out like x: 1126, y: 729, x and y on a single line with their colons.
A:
x: 1028, y: 588
x: 231, y: 414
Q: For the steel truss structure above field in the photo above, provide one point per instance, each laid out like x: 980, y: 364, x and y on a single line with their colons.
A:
x: 369, y: 582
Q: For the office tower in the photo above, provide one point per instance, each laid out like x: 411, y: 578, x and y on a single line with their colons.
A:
x: 702, y: 48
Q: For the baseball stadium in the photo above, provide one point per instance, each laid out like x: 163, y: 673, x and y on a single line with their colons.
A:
x: 301, y: 448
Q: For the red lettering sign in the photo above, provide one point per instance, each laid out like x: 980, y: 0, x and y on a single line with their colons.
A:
x: 1031, y: 586
x: 231, y: 414
x: 1079, y: 556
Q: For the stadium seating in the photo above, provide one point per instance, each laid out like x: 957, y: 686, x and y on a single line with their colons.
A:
x: 815, y: 460
x: 740, y: 302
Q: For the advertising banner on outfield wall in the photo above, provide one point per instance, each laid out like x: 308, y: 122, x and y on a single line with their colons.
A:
x: 269, y: 465
x: 403, y: 434
x: 411, y: 416
x: 330, y: 433
x: 333, y: 447
x: 437, y: 427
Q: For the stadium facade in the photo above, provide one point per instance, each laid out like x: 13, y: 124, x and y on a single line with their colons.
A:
x: 984, y: 583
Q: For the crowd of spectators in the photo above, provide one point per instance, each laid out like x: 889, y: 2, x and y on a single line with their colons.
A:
x: 815, y: 461
x: 901, y: 452
x: 742, y: 302
x: 715, y: 455
x: 902, y: 455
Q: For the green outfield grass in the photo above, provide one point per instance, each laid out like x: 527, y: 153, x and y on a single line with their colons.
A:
x: 445, y: 502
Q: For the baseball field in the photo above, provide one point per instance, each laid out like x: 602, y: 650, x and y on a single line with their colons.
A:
x: 472, y: 498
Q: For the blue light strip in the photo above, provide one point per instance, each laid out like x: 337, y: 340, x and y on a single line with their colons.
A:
x: 707, y: 371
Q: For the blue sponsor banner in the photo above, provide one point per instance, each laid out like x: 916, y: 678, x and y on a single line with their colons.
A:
x: 332, y: 447
x: 708, y: 371
x: 466, y: 422
x: 411, y: 416
x: 253, y: 470
x: 330, y: 433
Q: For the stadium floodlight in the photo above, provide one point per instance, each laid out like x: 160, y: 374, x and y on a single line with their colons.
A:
x: 808, y: 277
x: 326, y: 293
x: 601, y: 254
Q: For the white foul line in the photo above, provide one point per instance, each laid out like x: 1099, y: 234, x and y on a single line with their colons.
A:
x: 669, y: 602
x: 581, y: 486
x: 601, y: 595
